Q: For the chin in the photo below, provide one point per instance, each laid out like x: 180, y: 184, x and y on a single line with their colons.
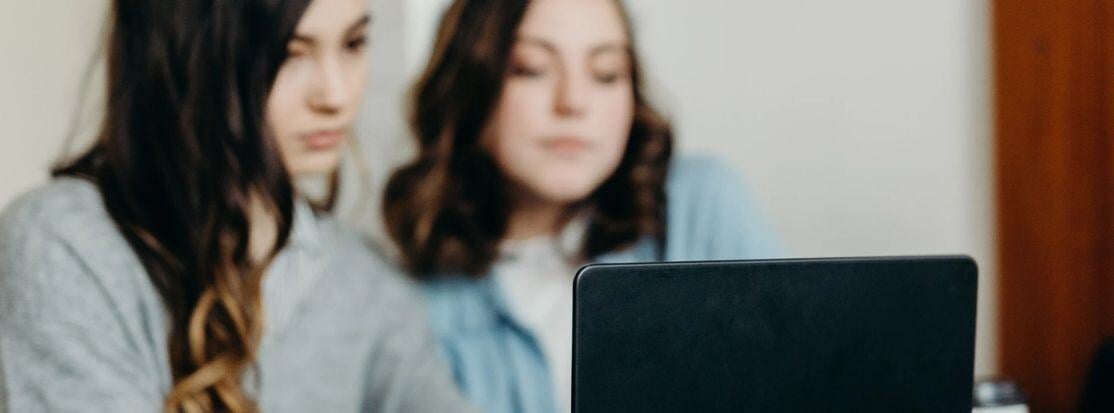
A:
x: 314, y: 165
x: 566, y: 192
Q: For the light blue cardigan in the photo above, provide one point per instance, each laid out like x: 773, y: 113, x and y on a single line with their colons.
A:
x: 498, y: 362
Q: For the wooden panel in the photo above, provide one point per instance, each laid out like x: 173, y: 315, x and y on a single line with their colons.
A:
x: 1053, y: 63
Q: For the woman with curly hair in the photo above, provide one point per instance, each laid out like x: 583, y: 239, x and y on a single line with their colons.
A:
x: 538, y: 152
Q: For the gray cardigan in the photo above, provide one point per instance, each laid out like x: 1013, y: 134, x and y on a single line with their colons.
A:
x: 83, y: 329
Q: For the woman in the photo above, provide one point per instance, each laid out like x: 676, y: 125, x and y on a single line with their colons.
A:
x: 173, y: 266
x: 539, y: 152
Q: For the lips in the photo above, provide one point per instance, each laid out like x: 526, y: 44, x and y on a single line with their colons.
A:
x: 323, y: 140
x: 566, y: 145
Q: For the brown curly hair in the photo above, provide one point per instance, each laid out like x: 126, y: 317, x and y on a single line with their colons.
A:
x: 447, y: 210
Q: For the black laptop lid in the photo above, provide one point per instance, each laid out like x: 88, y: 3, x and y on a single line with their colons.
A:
x: 862, y: 335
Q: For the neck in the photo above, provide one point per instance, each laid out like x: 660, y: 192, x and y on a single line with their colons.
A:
x: 533, y: 217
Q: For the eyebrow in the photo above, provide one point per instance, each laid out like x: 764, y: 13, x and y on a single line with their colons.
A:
x: 362, y: 23
x: 359, y: 24
x: 542, y: 43
x: 608, y: 48
x: 597, y: 50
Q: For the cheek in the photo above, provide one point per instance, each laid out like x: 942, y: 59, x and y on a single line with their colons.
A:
x: 282, y: 109
x: 356, y: 79
x: 287, y: 112
x: 520, y: 118
x: 615, y: 116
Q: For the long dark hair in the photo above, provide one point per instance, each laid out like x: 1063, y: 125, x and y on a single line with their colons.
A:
x: 448, y: 209
x: 183, y: 153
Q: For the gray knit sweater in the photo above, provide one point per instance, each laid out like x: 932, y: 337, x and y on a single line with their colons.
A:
x: 83, y: 329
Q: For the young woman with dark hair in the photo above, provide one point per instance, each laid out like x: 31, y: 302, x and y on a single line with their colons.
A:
x: 175, y: 267
x: 539, y: 151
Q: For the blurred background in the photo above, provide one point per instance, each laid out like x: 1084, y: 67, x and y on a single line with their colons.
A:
x: 864, y: 127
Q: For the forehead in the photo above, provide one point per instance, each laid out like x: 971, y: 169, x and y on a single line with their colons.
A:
x: 331, y: 16
x: 574, y: 24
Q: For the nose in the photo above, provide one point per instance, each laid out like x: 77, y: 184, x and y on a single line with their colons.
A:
x: 572, y: 94
x: 330, y: 92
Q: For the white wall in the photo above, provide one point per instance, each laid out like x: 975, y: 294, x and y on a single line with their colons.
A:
x: 48, y: 46
x: 862, y: 125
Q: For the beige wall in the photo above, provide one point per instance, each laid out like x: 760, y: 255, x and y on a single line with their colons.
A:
x: 47, y: 47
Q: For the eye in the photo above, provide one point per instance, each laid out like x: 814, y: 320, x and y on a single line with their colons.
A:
x: 527, y: 71
x: 356, y: 44
x: 611, y: 69
x: 608, y: 78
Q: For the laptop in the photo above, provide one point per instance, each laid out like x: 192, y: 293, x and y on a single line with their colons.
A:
x: 813, y: 335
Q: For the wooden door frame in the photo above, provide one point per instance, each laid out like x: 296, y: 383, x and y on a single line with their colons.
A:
x: 1054, y: 92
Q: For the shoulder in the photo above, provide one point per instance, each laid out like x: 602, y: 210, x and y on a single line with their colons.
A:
x: 371, y: 274
x: 702, y: 187
x: 54, y: 209
x: 442, y: 294
x: 60, y: 248
x: 702, y: 175
x: 67, y: 214
x: 694, y: 167
x: 712, y: 214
